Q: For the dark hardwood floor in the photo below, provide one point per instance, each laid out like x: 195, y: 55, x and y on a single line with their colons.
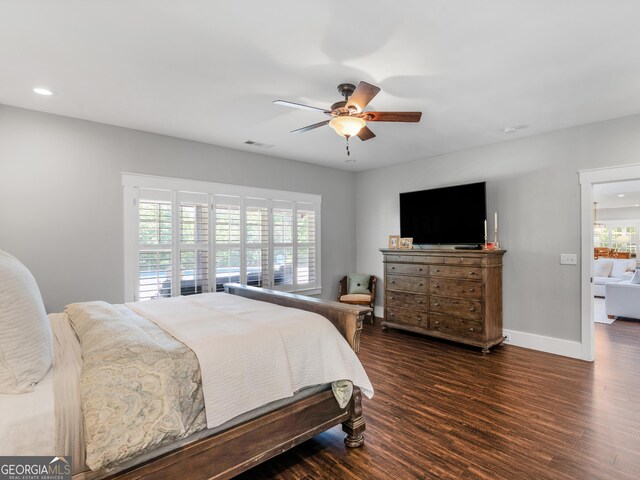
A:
x: 443, y: 411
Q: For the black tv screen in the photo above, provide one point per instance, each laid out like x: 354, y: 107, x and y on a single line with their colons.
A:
x: 450, y: 215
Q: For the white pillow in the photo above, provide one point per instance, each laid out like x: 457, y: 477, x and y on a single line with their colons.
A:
x: 602, y: 268
x: 26, y: 349
x: 620, y: 266
x: 632, y: 265
x: 636, y: 278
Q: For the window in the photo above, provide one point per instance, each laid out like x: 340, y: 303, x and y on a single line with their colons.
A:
x: 185, y: 237
x: 620, y: 236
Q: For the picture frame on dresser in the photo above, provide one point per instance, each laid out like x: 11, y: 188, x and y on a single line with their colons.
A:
x: 449, y: 294
x: 406, y: 242
x: 394, y: 241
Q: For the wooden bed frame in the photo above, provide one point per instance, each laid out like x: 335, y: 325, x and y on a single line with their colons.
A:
x: 231, y: 452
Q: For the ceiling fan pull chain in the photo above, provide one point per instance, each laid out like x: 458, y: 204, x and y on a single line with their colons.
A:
x: 348, y: 152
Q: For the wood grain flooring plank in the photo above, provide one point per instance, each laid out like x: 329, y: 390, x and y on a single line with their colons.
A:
x: 443, y: 411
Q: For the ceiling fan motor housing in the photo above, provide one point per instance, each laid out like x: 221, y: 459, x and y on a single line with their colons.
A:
x: 346, y: 90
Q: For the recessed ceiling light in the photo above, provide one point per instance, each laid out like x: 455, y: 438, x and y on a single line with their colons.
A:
x: 43, y: 91
x: 621, y: 195
x: 510, y: 130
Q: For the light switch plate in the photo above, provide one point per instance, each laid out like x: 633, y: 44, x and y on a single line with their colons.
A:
x: 568, y: 259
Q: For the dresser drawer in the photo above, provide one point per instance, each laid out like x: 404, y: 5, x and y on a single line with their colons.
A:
x: 451, y: 287
x: 408, y: 300
x: 462, y: 261
x: 408, y: 284
x: 406, y: 317
x: 407, y: 268
x: 455, y: 326
x: 458, y: 307
x: 400, y: 258
x: 473, y: 273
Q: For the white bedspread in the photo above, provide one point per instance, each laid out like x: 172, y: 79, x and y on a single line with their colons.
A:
x: 252, y: 353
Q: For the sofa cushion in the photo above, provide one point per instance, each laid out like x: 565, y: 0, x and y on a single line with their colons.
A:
x: 621, y: 266
x: 604, y: 280
x: 602, y: 268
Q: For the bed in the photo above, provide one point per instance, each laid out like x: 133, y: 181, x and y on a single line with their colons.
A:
x: 234, y: 444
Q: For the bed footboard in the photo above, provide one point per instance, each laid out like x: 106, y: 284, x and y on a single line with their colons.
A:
x: 346, y: 318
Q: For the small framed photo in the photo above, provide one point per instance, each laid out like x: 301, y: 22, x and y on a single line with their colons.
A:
x: 394, y: 241
x: 406, y: 242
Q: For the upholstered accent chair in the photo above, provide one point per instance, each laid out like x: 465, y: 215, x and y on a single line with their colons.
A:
x: 364, y: 299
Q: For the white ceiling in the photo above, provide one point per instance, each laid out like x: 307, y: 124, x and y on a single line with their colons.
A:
x: 209, y: 70
x: 608, y: 194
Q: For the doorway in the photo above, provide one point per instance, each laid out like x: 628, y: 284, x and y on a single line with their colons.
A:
x: 588, y: 179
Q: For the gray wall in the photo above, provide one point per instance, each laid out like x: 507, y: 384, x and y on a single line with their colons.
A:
x: 533, y: 184
x: 61, y: 198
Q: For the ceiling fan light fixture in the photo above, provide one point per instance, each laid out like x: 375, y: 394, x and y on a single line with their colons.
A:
x: 347, y: 126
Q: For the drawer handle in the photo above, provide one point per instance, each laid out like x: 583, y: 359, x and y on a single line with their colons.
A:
x: 437, y: 322
x: 461, y: 259
x: 419, y: 317
x: 472, y: 309
x: 393, y: 281
x: 471, y: 329
x: 437, y: 270
x: 420, y: 269
x: 472, y: 273
x: 471, y: 289
x: 419, y: 302
x: 436, y: 286
x: 436, y: 304
x: 420, y: 284
x: 392, y: 298
x: 392, y: 314
x: 393, y: 268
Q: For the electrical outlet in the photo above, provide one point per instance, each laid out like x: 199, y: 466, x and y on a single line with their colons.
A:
x: 507, y: 337
x: 568, y: 259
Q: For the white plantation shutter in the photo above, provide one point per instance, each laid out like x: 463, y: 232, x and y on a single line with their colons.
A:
x: 256, y: 242
x: 305, y: 245
x: 194, y: 243
x: 282, y: 220
x: 228, y: 229
x: 155, y: 240
x: 184, y: 237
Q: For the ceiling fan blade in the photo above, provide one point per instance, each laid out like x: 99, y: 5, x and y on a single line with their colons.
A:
x: 392, y: 116
x: 365, y: 134
x: 284, y: 103
x: 311, y: 127
x: 362, y: 95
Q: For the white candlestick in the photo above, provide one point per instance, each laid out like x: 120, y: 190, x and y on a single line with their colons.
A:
x: 485, y: 229
x: 496, y: 221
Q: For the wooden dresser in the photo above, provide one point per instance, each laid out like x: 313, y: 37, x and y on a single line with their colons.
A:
x: 450, y: 294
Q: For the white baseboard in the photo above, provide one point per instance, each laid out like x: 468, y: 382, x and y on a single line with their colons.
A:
x: 558, y: 346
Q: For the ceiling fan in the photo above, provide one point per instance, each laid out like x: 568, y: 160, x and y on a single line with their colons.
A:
x: 348, y: 115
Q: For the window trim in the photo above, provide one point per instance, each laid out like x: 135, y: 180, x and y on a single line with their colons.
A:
x: 132, y: 183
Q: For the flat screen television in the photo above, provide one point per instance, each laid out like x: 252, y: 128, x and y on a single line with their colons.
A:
x: 445, y: 216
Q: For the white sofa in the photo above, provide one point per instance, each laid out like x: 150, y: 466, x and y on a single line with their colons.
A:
x: 622, y: 299
x: 620, y: 269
